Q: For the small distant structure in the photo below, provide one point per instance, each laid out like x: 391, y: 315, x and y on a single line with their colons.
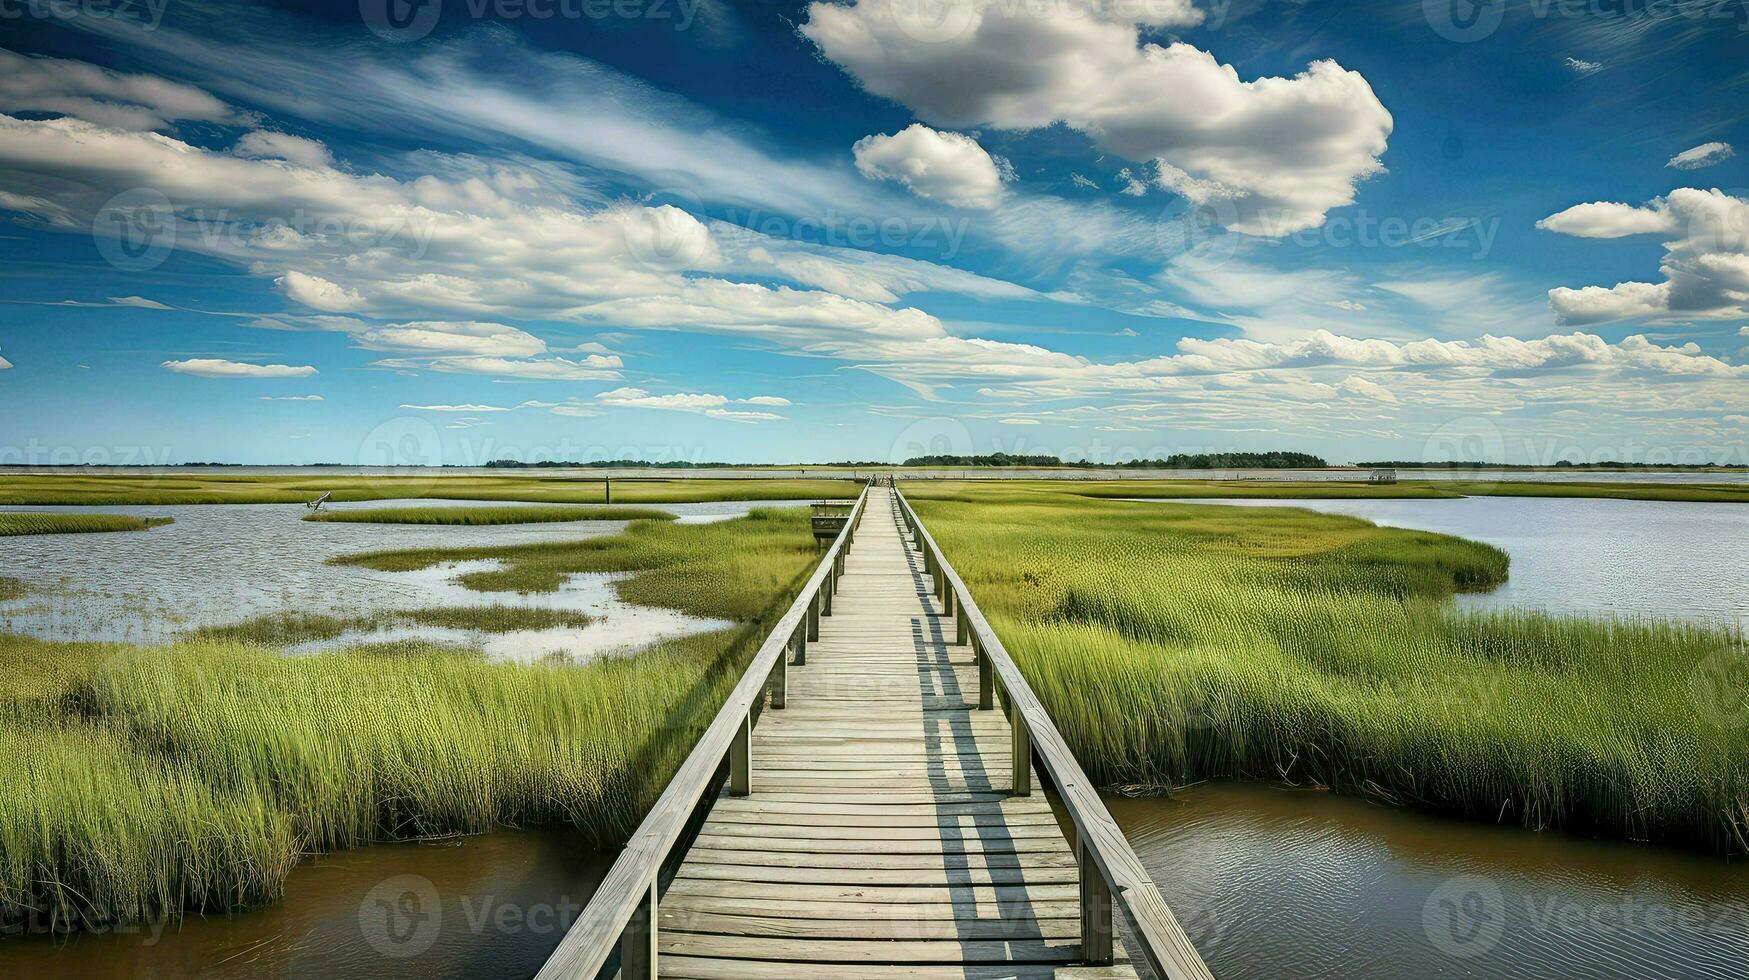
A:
x: 319, y: 501
x: 1382, y: 476
x: 829, y: 518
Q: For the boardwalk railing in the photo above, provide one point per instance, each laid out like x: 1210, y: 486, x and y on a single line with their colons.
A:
x: 622, y: 915
x: 1109, y: 868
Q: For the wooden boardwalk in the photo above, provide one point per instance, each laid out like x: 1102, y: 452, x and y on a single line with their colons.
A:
x: 879, y: 837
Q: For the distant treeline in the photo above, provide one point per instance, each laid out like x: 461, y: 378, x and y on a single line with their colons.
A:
x: 606, y: 464
x: 1473, y: 464
x: 1177, y: 461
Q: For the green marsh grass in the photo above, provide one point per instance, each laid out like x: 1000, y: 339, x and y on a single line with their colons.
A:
x: 176, y: 488
x: 11, y: 588
x: 293, y: 628
x: 11, y: 523
x: 484, y: 516
x: 143, y: 781
x: 1180, y: 643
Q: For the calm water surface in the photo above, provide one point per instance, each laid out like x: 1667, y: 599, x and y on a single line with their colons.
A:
x: 1650, y: 558
x: 224, y: 563
x: 478, y: 907
x: 1273, y: 883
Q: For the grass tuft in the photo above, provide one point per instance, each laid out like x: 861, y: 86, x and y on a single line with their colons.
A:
x: 14, y: 523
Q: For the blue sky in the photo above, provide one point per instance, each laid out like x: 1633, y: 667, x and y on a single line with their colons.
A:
x: 369, y: 232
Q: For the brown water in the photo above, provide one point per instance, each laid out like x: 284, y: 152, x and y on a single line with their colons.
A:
x: 478, y: 907
x: 1276, y: 883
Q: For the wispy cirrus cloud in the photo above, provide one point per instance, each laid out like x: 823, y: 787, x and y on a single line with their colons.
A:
x: 214, y: 367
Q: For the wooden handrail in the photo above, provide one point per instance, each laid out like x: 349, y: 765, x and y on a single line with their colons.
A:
x: 622, y: 914
x: 1099, y: 843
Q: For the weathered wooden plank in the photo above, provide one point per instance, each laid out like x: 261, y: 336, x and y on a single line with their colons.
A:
x: 686, y: 919
x: 792, y: 908
x: 711, y: 968
x: 944, y: 862
x: 914, y: 877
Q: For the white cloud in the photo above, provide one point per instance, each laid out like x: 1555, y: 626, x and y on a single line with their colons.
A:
x: 139, y: 302
x: 1704, y: 155
x: 1272, y: 155
x: 592, y: 368
x: 472, y: 409
x: 1354, y: 384
x: 212, y: 367
x: 264, y: 144
x: 291, y: 398
x: 1604, y: 219
x: 318, y: 293
x: 1019, y: 421
x: 5, y: 365
x: 705, y: 404
x: 466, y: 337
x: 75, y: 88
x: 946, y: 167
x: 1705, y: 263
x: 1584, y: 67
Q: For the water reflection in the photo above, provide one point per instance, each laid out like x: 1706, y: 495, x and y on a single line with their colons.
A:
x: 1275, y: 883
x: 477, y: 907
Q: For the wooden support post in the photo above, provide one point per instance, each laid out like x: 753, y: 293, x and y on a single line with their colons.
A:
x: 826, y: 591
x: 961, y: 631
x: 986, y: 683
x: 741, y: 759
x: 1022, y: 754
x: 800, y: 642
x: 637, y: 944
x: 1096, y: 946
x: 780, y: 682
x: 814, y: 617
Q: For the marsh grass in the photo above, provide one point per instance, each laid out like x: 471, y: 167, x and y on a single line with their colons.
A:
x: 483, y: 516
x: 212, y: 489
x: 19, y: 523
x: 144, y: 781
x: 293, y: 628
x: 727, y: 568
x: 11, y: 588
x: 1179, y: 643
x: 1403, y: 489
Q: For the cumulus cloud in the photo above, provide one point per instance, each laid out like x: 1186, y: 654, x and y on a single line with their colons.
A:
x: 213, y: 367
x: 75, y: 88
x: 318, y: 293
x: 1354, y: 384
x: 467, y: 337
x: 291, y: 398
x: 1705, y: 263
x: 595, y: 367
x: 946, y: 167
x: 1270, y: 155
x: 712, y: 406
x: 1704, y: 155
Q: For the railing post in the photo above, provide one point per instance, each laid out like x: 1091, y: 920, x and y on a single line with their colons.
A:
x: 800, y: 642
x: 827, y: 587
x: 780, y: 682
x: 1096, y: 946
x: 814, y: 617
x: 1022, y: 752
x: 637, y: 944
x: 986, y: 680
x: 961, y: 629
x: 741, y: 758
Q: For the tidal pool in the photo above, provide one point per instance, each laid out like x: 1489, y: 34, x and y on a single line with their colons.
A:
x: 1647, y: 558
x: 225, y: 563
x: 1274, y: 883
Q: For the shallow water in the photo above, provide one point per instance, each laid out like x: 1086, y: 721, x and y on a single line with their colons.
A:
x: 1273, y: 883
x: 488, y: 906
x: 1650, y: 558
x: 225, y: 563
